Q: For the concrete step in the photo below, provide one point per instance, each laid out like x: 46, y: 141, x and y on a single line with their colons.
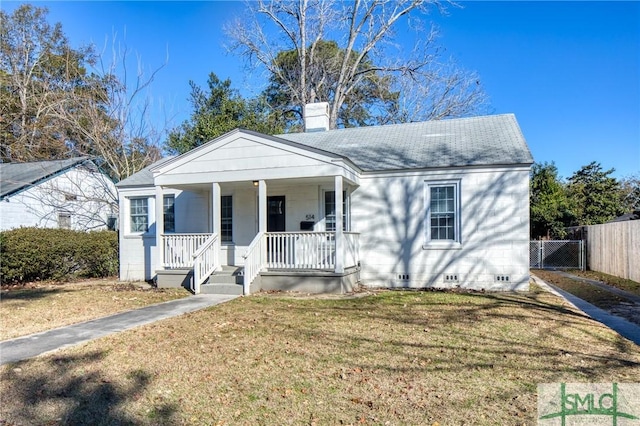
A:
x: 228, y: 275
x: 218, y: 288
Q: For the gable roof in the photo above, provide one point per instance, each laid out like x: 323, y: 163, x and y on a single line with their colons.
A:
x: 474, y: 141
x: 17, y: 176
x: 142, y: 178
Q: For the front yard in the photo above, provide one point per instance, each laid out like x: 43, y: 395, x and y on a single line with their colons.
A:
x: 375, y: 358
x: 42, y: 306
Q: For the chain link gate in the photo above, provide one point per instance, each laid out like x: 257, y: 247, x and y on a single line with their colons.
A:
x: 556, y: 254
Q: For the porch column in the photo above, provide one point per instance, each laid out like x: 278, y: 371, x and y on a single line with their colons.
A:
x: 215, y: 208
x: 262, y: 206
x: 160, y: 226
x: 339, y: 231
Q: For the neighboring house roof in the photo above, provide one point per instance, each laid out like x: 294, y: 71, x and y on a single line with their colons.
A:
x: 625, y: 217
x: 142, y: 178
x: 474, y: 141
x: 15, y: 177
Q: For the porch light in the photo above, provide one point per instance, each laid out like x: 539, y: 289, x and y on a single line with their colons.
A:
x: 255, y: 183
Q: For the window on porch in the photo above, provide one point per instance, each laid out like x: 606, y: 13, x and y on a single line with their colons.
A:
x: 169, y: 213
x: 330, y: 211
x: 226, y: 218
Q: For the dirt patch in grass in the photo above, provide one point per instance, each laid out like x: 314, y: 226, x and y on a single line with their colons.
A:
x: 630, y: 286
x: 610, y: 302
x: 384, y: 358
x: 42, y: 306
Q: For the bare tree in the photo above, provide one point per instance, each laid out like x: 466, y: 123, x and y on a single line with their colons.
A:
x: 38, y: 68
x: 429, y: 86
x: 59, y: 102
x: 113, y: 123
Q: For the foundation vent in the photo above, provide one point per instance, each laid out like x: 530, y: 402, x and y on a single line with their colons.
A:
x: 403, y: 277
x: 451, y: 278
x: 503, y: 278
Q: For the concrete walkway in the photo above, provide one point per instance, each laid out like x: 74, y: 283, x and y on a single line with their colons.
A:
x: 623, y: 327
x: 25, y: 347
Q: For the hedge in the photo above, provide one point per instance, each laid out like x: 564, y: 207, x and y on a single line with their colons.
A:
x: 32, y: 254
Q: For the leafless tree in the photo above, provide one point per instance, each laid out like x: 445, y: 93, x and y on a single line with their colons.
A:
x: 38, y: 68
x: 59, y: 102
x: 113, y: 125
x: 430, y: 86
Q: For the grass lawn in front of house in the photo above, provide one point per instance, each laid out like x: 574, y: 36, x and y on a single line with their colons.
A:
x: 388, y: 357
x: 41, y: 306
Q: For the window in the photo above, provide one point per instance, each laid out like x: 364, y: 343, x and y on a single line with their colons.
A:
x: 64, y: 220
x: 442, y: 222
x: 226, y: 218
x: 168, y: 208
x: 330, y: 211
x: 139, y: 215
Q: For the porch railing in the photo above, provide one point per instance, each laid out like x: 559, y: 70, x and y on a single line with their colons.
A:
x: 205, y: 260
x: 254, y: 261
x: 309, y: 250
x: 180, y: 248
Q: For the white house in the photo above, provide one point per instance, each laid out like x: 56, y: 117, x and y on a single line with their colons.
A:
x: 70, y: 193
x: 432, y: 204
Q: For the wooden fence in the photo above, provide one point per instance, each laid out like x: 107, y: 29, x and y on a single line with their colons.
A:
x: 614, y: 248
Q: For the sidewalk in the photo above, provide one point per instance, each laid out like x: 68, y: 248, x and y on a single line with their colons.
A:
x: 623, y: 327
x: 25, y: 347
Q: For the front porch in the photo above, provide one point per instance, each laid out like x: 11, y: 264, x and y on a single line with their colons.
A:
x: 261, y: 204
x: 296, y: 261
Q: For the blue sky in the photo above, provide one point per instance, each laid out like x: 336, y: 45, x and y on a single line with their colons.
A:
x: 570, y: 71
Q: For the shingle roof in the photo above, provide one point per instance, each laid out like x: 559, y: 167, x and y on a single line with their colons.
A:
x: 16, y: 176
x: 475, y: 141
x: 142, y: 178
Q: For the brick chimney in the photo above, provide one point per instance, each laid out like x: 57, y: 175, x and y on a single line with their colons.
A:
x: 316, y: 117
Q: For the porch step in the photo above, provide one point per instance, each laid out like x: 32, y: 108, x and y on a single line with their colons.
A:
x: 227, y: 281
x: 221, y: 289
x: 228, y: 275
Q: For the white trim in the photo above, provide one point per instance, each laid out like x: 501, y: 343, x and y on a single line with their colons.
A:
x: 323, y: 211
x: 150, y: 214
x: 456, y: 243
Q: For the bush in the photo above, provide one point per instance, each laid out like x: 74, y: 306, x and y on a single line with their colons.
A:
x: 31, y: 254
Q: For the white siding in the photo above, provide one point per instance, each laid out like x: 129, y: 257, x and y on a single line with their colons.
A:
x: 137, y: 251
x: 246, y: 159
x: 389, y: 213
x: 94, y: 200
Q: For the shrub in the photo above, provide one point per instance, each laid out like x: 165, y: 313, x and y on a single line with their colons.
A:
x: 31, y: 254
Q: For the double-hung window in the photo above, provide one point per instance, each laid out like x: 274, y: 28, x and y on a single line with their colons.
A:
x: 442, y: 221
x: 330, y: 211
x: 168, y: 208
x: 139, y: 214
x: 226, y: 218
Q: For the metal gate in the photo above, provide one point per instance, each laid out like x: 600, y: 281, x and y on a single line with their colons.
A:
x: 556, y: 254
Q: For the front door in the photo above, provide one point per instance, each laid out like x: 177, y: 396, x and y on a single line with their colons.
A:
x: 275, y: 214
